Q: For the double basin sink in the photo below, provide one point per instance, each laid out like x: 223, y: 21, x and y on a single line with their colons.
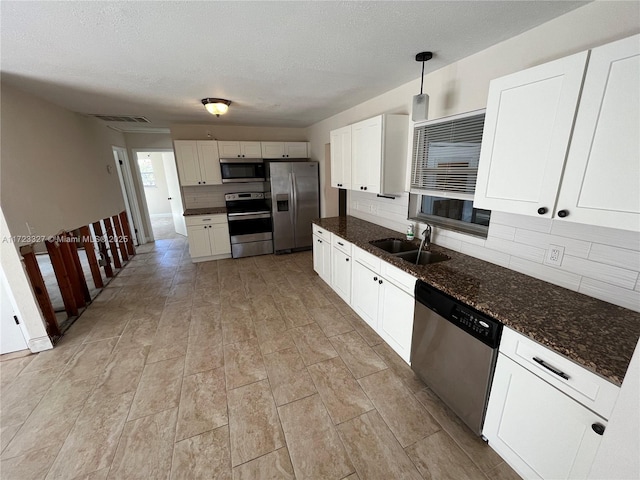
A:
x: 407, y: 251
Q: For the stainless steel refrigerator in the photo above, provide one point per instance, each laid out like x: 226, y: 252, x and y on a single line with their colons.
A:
x: 295, y: 202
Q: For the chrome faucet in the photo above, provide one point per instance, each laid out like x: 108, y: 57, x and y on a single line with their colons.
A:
x: 426, y: 239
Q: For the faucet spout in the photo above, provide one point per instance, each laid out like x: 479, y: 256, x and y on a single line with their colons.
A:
x: 426, y: 240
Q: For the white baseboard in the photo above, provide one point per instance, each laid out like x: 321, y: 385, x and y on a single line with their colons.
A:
x: 39, y: 344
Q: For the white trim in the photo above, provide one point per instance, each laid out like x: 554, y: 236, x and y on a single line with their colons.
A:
x: 39, y: 344
x: 128, y: 193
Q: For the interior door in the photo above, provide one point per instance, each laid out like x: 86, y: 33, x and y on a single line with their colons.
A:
x: 306, y: 197
x: 175, y: 197
x: 11, y: 336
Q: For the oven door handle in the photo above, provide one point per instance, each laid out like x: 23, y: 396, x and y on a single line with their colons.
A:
x: 247, y: 216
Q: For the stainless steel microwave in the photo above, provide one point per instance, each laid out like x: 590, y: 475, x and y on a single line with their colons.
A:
x: 242, y: 170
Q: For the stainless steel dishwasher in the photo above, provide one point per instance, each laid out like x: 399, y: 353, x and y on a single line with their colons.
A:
x: 454, y: 350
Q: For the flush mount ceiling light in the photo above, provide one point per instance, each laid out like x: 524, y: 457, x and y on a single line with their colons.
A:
x: 216, y: 106
x: 420, y: 105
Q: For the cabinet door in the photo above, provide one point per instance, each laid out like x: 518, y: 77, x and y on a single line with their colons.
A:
x: 341, y: 274
x: 209, y: 162
x: 272, y: 149
x: 251, y: 149
x: 318, y: 261
x: 395, y: 318
x: 229, y: 149
x: 188, y: 162
x: 364, y: 294
x: 526, y: 137
x: 199, y: 243
x: 538, y: 430
x: 219, y: 238
x: 296, y: 150
x: 366, y: 155
x: 601, y: 183
x: 341, y: 158
x: 326, y: 261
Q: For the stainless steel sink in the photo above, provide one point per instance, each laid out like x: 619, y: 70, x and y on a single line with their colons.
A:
x: 394, y: 245
x: 426, y: 257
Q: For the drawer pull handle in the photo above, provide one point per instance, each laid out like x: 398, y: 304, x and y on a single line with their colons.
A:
x: 206, y: 219
x: 560, y: 373
x: 341, y: 244
x: 598, y: 428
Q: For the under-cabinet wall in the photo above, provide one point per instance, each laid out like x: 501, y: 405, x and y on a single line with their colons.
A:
x: 600, y: 262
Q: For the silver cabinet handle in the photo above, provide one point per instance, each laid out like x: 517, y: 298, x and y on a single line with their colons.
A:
x: 560, y: 373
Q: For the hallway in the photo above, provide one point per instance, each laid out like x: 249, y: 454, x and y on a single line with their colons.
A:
x: 245, y: 369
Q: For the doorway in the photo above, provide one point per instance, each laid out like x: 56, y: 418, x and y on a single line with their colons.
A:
x: 129, y: 194
x: 159, y: 179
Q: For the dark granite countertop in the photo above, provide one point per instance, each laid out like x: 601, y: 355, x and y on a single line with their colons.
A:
x: 597, y: 335
x: 204, y: 211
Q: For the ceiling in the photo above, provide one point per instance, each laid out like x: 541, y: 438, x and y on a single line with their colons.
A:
x: 289, y: 63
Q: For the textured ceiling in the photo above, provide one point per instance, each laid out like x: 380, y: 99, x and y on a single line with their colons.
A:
x: 280, y: 63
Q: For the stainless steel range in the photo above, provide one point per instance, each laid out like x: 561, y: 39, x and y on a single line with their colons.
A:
x: 250, y: 225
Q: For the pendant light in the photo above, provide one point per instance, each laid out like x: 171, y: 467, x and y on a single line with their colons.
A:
x: 216, y: 106
x: 420, y: 106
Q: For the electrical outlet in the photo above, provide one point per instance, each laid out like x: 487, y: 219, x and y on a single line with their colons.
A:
x: 554, y: 256
x: 374, y: 209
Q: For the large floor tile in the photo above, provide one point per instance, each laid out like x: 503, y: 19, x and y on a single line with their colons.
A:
x: 206, y: 326
x: 243, y: 364
x: 438, y: 457
x: 159, y: 388
x: 203, y: 457
x: 399, y: 367
x: 288, y: 376
x: 272, y: 466
x: 315, y: 448
x: 406, y: 417
x: 92, y: 442
x: 146, y: 448
x: 25, y: 392
x: 10, y: 369
x: 339, y: 390
x: 7, y: 433
x: 479, y: 451
x: 293, y: 311
x: 330, y: 320
x: 503, y: 472
x: 273, y: 335
x: 312, y: 343
x: 359, y: 357
x: 265, y: 308
x: 90, y: 359
x: 54, y: 358
x: 123, y: 370
x: 253, y: 422
x: 203, y: 356
x: 31, y: 466
x: 203, y: 403
x: 375, y: 452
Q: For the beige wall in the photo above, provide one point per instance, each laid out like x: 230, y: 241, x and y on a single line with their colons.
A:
x: 157, y: 197
x: 463, y: 85
x: 232, y: 132
x: 53, y: 171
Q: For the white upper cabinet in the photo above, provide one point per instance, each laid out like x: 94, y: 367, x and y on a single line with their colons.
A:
x: 232, y: 149
x: 601, y: 183
x: 198, y: 162
x: 526, y: 136
x: 549, y: 151
x: 285, y: 150
x: 377, y: 157
x: 341, y: 157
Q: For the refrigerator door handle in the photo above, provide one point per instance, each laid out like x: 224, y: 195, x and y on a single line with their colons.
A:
x: 294, y: 190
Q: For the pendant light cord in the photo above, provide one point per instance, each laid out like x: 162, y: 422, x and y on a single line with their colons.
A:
x: 422, y: 78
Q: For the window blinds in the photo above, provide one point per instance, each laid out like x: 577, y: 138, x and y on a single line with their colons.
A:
x: 445, y: 157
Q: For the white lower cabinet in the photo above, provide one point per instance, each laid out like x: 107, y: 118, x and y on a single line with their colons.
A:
x: 535, y: 420
x: 322, y: 257
x: 341, y: 267
x: 208, y: 237
x: 365, y: 294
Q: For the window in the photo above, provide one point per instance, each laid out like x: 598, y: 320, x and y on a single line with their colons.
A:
x: 146, y: 172
x: 444, y: 169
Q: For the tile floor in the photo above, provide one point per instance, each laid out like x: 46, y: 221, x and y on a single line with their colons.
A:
x: 235, y: 369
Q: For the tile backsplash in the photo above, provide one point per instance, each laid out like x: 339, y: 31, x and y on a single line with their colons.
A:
x: 203, y: 196
x: 600, y: 262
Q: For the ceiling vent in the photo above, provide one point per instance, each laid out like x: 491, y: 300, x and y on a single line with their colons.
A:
x: 122, y: 118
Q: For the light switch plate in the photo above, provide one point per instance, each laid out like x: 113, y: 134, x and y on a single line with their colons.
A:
x: 554, y: 255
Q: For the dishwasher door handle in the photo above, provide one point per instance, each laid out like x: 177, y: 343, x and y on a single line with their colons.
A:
x: 560, y: 373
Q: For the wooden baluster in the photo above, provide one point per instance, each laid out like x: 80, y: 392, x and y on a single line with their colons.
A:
x: 127, y: 233
x: 122, y: 244
x: 90, y: 250
x: 104, y: 253
x: 40, y: 289
x: 82, y: 281
x: 62, y: 276
x: 113, y: 248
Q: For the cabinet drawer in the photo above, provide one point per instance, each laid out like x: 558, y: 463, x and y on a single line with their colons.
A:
x: 205, y: 219
x: 365, y: 258
x: 341, y: 244
x: 586, y: 387
x: 399, y: 278
x: 321, y: 232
